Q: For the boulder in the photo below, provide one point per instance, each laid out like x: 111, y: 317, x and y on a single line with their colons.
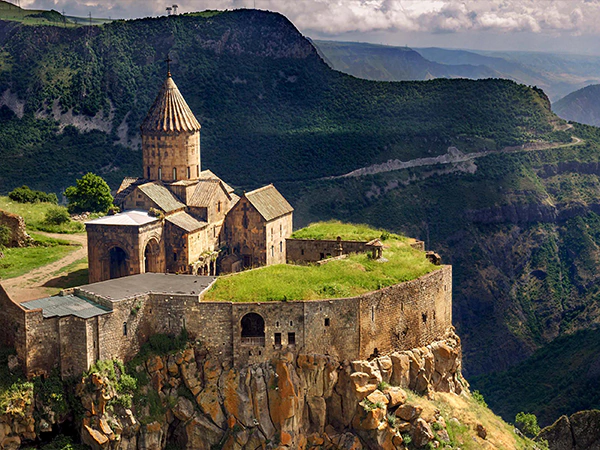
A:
x: 422, y: 433
x: 95, y: 439
x: 409, y: 412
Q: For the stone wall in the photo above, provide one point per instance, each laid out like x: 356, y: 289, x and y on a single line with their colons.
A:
x: 245, y: 233
x: 180, y: 151
x: 313, y: 250
x: 16, y: 225
x: 277, y: 231
x: 12, y: 323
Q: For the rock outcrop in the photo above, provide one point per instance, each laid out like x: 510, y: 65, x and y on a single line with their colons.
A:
x: 581, y: 431
x: 193, y: 401
x: 16, y: 225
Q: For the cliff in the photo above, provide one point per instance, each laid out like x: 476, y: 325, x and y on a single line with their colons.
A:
x: 188, y: 399
x: 576, y: 432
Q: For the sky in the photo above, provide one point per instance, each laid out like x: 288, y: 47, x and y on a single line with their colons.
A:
x: 534, y: 25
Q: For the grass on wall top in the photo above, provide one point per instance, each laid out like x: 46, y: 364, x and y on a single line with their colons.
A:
x: 348, y: 277
x: 347, y: 231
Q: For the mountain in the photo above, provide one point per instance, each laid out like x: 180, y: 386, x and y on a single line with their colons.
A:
x: 482, y: 170
x: 556, y: 74
x: 387, y: 63
x: 580, y: 106
x: 259, y: 88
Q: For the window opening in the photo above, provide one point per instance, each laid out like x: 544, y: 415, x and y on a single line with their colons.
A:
x: 424, y: 317
x: 174, y: 256
x: 148, y: 172
x: 189, y: 172
x: 160, y: 173
x: 372, y: 314
x: 253, y: 330
x: 281, y: 247
x: 291, y: 338
x: 291, y: 323
x: 175, y: 173
x: 327, y: 322
x: 124, y: 328
x: 278, y: 339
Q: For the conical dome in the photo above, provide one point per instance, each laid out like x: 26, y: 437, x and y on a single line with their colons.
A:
x: 170, y: 112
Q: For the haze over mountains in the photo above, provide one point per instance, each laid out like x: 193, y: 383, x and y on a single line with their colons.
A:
x: 557, y: 74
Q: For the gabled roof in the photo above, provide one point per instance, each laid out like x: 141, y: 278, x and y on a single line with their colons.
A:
x: 209, y: 175
x: 206, y: 192
x: 269, y: 202
x: 127, y: 218
x: 127, y: 186
x: 170, y: 112
x: 185, y: 222
x: 160, y: 195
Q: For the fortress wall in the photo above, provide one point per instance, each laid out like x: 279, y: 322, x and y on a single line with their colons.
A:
x: 312, y: 250
x: 42, y: 349
x: 407, y: 315
x: 72, y: 333
x: 122, y: 332
x: 279, y: 317
x: 341, y: 337
x: 12, y: 323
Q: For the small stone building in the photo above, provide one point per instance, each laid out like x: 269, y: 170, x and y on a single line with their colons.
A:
x: 179, y: 218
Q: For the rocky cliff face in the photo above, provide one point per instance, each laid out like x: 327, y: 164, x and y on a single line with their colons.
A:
x: 195, y: 402
x: 577, y: 432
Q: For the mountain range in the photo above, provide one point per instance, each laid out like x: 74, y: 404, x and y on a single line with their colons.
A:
x: 481, y: 170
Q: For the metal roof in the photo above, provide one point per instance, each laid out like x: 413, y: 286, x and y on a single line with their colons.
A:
x: 127, y: 218
x: 269, y: 202
x: 67, y: 305
x: 160, y: 195
x: 160, y: 283
x: 170, y: 112
x: 185, y: 222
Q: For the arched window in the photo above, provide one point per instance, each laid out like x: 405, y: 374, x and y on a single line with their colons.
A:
x: 189, y: 175
x: 148, y: 172
x: 124, y: 328
x: 253, y: 330
x: 160, y: 173
x: 175, y: 173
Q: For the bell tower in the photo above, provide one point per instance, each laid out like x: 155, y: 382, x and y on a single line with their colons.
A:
x: 170, y: 137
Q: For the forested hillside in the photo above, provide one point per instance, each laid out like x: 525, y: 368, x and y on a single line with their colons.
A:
x: 519, y: 225
x: 257, y: 86
x: 582, y: 105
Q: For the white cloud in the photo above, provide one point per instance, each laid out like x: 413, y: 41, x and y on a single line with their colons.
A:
x: 342, y: 16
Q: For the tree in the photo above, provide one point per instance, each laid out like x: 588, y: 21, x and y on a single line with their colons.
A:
x: 91, y: 194
x: 528, y: 424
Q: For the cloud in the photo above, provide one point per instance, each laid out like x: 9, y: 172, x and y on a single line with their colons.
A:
x: 336, y: 17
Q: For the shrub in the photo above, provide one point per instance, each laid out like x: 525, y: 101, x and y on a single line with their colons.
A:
x: 5, y: 235
x: 91, y: 194
x: 57, y: 215
x: 25, y: 194
x: 528, y: 424
x: 478, y: 397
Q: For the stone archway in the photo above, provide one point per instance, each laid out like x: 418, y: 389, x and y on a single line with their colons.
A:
x: 118, y: 263
x: 253, y: 329
x: 151, y: 257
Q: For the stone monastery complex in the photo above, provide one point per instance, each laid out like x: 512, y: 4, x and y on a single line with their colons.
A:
x: 180, y: 226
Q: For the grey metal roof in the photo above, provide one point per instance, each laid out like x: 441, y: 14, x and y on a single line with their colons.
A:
x: 161, y: 196
x: 160, y: 283
x: 269, y: 202
x: 185, y: 222
x: 68, y: 305
x: 127, y: 218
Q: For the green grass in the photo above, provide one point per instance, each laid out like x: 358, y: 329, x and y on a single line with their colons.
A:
x: 18, y: 261
x: 347, y: 231
x: 348, y: 277
x: 34, y: 215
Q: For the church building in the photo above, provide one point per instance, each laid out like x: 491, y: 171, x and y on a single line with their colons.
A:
x: 179, y: 218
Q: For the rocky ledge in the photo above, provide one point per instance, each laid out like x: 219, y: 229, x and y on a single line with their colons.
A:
x: 192, y: 401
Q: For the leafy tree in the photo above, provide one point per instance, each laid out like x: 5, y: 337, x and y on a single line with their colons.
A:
x: 91, y: 194
x: 25, y: 194
x: 528, y: 424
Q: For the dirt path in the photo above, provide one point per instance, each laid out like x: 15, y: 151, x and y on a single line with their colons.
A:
x: 453, y: 156
x: 31, y: 285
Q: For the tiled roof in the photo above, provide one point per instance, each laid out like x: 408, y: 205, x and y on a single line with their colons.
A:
x: 170, y: 112
x: 269, y: 202
x: 127, y: 186
x: 129, y: 218
x: 67, y: 305
x: 205, y: 193
x: 208, y: 175
x: 161, y: 196
x: 185, y: 222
